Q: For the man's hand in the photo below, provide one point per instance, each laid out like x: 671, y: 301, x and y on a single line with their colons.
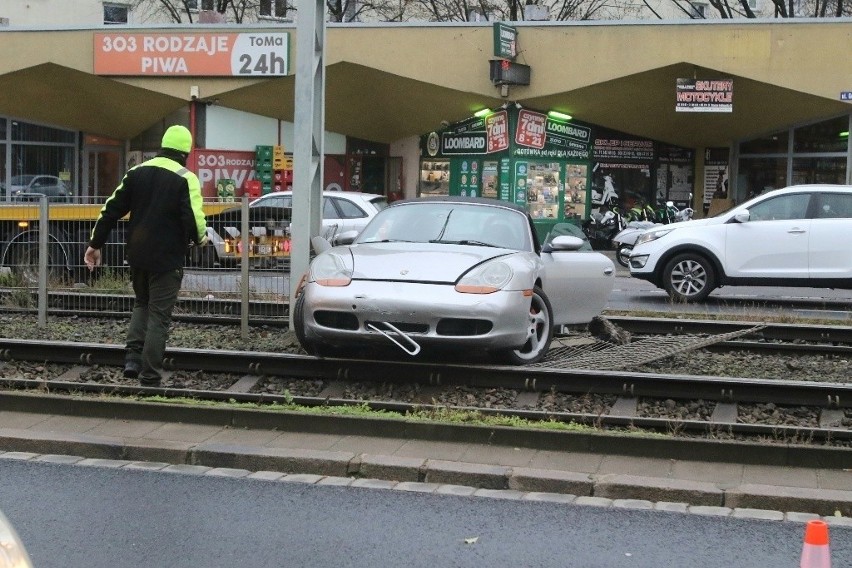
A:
x: 92, y: 258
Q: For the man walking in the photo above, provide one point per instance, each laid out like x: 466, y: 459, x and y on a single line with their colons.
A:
x: 164, y: 201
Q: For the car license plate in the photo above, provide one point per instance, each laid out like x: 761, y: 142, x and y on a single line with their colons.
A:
x: 264, y: 249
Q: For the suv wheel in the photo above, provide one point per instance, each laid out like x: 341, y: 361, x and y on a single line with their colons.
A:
x: 689, y: 277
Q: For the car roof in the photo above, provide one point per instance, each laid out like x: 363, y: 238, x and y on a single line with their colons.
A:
x: 810, y: 187
x: 289, y: 192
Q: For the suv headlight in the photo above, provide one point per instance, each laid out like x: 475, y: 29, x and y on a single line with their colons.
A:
x: 649, y: 236
x: 486, y: 278
x: 331, y: 269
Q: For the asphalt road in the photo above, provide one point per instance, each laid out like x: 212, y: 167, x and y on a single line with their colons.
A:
x: 72, y: 516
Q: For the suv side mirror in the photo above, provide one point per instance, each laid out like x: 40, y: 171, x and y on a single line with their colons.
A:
x: 742, y: 217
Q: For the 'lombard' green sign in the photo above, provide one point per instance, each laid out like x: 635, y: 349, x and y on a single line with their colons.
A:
x: 505, y: 41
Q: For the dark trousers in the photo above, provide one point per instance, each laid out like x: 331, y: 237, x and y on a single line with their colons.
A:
x: 156, y: 294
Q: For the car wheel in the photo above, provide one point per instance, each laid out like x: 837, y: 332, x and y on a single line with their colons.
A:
x: 539, y: 329
x: 689, y: 278
x: 23, y: 260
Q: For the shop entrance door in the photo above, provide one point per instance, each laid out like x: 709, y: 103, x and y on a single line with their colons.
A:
x: 102, y: 171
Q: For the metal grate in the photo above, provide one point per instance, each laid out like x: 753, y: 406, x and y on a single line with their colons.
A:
x: 606, y: 356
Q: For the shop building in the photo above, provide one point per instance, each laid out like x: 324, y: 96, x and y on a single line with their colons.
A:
x: 782, y: 115
x: 559, y: 168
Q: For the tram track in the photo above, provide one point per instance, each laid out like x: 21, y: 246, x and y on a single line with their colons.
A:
x: 817, y: 413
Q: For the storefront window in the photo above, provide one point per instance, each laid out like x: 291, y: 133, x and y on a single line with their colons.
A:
x: 772, y: 144
x: 435, y: 177
x: 819, y: 170
x: 575, y: 191
x: 24, y: 131
x: 757, y: 175
x: 543, y: 190
x: 829, y: 136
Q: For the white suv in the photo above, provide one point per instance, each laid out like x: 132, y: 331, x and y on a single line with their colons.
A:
x: 796, y: 236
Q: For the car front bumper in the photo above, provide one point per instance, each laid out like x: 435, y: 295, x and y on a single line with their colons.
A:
x: 430, y: 314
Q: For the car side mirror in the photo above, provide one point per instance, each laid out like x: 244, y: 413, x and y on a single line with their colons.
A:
x: 742, y: 216
x: 345, y: 238
x: 564, y: 243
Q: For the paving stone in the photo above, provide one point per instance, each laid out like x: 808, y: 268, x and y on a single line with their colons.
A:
x: 390, y: 467
x: 335, y: 480
x: 797, y: 517
x: 781, y: 498
x: 147, y: 465
x: 266, y: 475
x: 417, y: 486
x: 301, y: 478
x: 632, y: 504
x: 838, y: 521
x: 99, y: 462
x: 593, y: 501
x: 254, y: 458
x: 670, y: 507
x: 762, y: 514
x: 654, y: 489
x: 509, y: 494
x: 54, y: 458
x: 374, y: 483
x: 460, y: 490
x: 19, y: 455
x: 227, y: 472
x: 550, y: 481
x: 187, y: 469
x: 463, y: 473
x: 710, y: 511
x: 549, y: 497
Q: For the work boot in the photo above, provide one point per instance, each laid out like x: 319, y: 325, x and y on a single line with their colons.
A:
x: 131, y: 369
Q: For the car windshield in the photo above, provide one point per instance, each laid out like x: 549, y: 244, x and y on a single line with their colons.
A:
x: 450, y: 223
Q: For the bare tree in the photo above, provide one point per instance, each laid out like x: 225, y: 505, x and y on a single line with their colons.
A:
x: 186, y: 11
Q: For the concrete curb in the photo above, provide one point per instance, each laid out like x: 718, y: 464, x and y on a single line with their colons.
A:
x: 312, y: 466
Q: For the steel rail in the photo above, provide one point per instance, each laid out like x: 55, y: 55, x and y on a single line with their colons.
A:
x: 724, y: 389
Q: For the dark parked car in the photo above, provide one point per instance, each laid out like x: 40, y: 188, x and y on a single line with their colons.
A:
x: 28, y: 187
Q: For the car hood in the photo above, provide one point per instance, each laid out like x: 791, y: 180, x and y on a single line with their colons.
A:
x: 418, y: 262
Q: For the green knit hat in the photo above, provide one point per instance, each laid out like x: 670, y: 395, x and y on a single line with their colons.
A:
x: 178, y: 138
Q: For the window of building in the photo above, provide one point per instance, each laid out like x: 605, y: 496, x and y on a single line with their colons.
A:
x: 192, y: 5
x: 116, y: 13
x: 757, y: 175
x: 698, y: 10
x: 772, y: 144
x: 36, y: 150
x: 828, y: 136
x: 273, y: 8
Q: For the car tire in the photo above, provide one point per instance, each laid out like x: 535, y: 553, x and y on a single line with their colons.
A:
x: 689, y: 277
x: 541, y: 333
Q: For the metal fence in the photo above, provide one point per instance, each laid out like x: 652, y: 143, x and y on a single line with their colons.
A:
x: 44, y: 271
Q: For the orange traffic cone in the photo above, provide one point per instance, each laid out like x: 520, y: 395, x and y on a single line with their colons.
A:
x: 815, y: 551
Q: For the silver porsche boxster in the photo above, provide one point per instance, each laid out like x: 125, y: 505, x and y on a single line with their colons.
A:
x: 452, y: 272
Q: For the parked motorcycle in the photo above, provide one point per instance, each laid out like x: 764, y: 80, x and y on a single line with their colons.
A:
x: 600, y: 228
x: 626, y: 239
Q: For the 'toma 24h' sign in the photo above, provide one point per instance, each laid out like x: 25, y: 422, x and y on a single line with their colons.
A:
x: 193, y: 54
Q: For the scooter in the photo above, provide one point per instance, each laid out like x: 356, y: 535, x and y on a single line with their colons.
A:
x: 626, y: 239
x: 600, y: 229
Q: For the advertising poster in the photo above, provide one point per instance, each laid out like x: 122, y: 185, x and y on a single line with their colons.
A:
x: 675, y: 178
x: 716, y: 184
x: 530, y: 131
x: 521, y: 170
x: 696, y: 95
x: 212, y: 165
x: 497, y: 131
x: 505, y: 184
x: 192, y: 54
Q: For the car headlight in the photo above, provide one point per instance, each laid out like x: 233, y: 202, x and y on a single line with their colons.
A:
x: 485, y: 278
x: 649, y: 236
x: 330, y: 269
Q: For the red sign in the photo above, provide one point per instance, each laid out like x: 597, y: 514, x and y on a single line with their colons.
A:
x: 497, y: 131
x: 531, y: 129
x: 212, y: 165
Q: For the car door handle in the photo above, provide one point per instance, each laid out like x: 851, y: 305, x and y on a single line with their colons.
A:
x: 608, y: 271
x: 796, y: 231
